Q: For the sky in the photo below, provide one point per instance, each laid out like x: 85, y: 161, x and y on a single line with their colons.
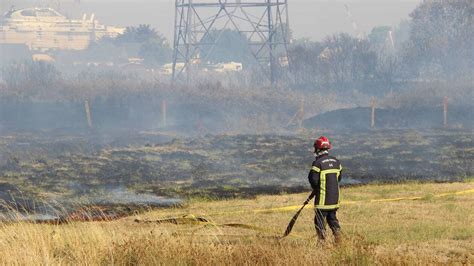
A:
x: 312, y: 19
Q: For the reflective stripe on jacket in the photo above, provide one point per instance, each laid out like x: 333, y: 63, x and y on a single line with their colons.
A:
x: 324, y: 177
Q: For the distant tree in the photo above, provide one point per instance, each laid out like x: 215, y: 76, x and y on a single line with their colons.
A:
x: 141, y: 34
x: 145, y: 42
x: 230, y: 45
x: 388, y: 40
x: 31, y: 80
x: 386, y: 72
x: 336, y: 57
x: 401, y: 34
x: 385, y: 42
x: 380, y: 38
x: 348, y: 59
x: 155, y: 52
x: 29, y: 73
x: 363, y: 62
x: 106, y: 49
x: 442, y: 34
x: 341, y: 62
x: 305, y: 65
x: 282, y: 33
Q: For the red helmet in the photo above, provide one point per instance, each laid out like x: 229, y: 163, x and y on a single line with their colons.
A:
x: 322, y: 143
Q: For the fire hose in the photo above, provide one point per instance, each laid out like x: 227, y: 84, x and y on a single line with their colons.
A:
x: 192, y: 219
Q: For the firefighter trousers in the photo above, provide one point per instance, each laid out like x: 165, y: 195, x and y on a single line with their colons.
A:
x: 330, y: 217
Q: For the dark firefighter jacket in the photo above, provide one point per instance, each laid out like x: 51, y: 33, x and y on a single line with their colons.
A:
x: 324, y: 178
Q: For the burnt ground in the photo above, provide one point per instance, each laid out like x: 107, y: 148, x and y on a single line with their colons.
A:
x: 72, y: 169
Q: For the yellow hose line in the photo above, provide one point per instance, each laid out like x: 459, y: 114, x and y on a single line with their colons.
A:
x: 191, y: 219
x: 296, y: 207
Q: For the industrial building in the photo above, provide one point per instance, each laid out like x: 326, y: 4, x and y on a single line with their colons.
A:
x: 43, y: 29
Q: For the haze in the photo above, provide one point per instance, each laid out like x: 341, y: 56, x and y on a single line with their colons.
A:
x: 313, y: 19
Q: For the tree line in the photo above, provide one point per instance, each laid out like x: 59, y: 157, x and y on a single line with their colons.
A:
x: 436, y: 44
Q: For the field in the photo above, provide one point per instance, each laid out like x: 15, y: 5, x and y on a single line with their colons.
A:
x: 434, y: 228
x: 96, y: 199
x: 60, y: 168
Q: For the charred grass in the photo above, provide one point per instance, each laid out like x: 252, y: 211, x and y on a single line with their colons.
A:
x: 226, y: 165
x: 432, y: 230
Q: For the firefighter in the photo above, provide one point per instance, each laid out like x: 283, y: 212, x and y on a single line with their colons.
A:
x: 324, y: 177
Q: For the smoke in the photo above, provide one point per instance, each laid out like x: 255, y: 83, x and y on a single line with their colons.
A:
x: 83, y: 203
x: 122, y: 196
x: 92, y: 138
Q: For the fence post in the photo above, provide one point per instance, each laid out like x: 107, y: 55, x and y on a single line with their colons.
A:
x: 445, y: 111
x: 373, y: 102
x: 163, y: 112
x: 88, y: 113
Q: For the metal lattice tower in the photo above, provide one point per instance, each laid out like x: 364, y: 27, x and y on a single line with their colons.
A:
x: 264, y: 23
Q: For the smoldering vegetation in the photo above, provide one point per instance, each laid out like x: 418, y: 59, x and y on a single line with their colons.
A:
x: 220, y: 166
x: 98, y: 136
x: 95, y: 203
x: 121, y: 102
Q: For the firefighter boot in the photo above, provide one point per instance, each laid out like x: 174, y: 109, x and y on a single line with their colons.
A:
x: 337, y: 236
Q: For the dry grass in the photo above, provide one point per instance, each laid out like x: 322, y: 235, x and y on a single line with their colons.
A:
x: 433, y: 230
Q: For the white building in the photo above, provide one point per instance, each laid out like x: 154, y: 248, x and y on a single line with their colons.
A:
x: 45, y: 29
x: 226, y: 67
